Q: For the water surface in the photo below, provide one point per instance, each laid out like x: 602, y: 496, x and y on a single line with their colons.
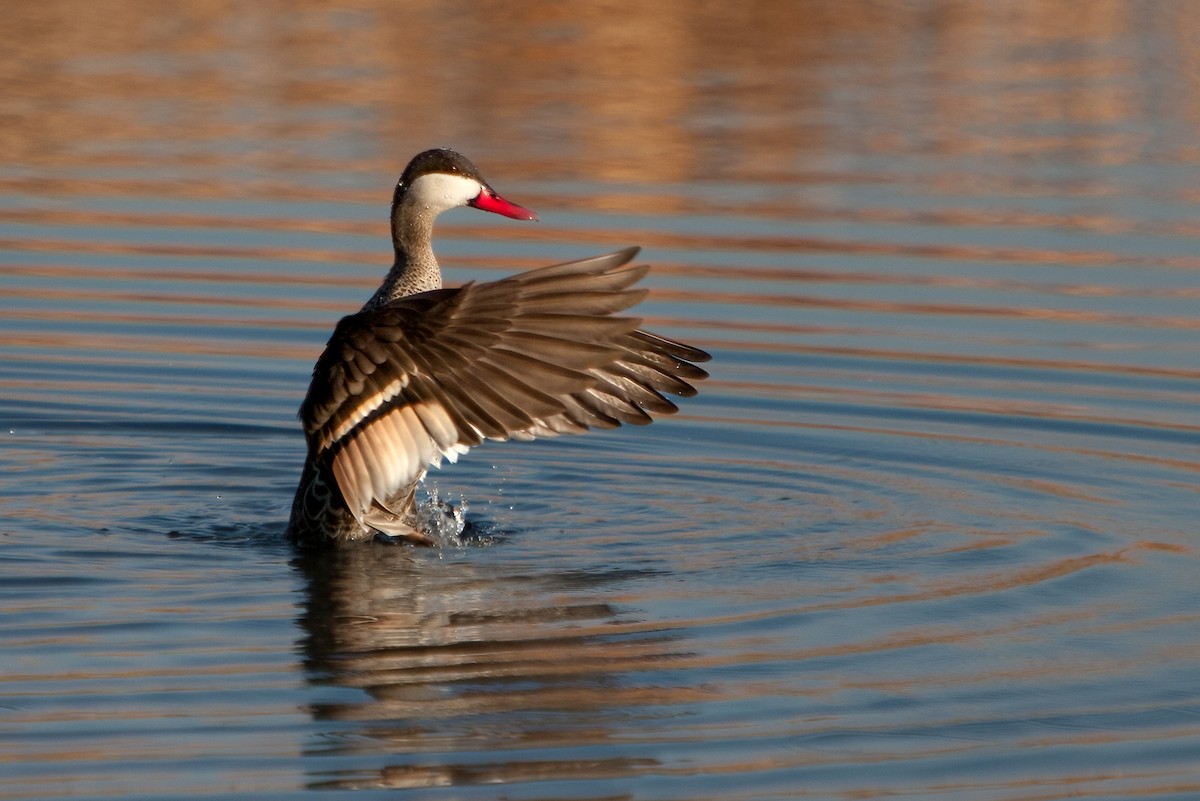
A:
x: 928, y: 531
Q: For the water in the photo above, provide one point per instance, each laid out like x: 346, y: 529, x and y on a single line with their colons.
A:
x: 928, y: 532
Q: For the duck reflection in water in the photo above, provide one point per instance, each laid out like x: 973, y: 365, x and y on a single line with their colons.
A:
x: 456, y: 661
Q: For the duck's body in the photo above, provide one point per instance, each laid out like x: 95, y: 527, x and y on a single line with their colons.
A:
x: 423, y: 373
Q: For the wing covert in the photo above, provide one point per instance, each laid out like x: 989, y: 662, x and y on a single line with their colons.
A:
x: 425, y: 377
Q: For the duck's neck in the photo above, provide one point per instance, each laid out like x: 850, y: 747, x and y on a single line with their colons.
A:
x: 415, y: 268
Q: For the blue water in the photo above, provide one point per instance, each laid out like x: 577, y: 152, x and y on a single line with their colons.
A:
x: 928, y: 532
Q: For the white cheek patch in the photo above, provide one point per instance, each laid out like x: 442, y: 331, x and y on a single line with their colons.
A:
x: 440, y: 191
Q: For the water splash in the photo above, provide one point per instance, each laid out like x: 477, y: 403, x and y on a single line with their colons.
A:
x: 442, y: 520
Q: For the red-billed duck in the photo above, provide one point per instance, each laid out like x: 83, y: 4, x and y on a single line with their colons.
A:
x: 423, y: 373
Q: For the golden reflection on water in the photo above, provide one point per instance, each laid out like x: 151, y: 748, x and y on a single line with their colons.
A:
x: 658, y: 92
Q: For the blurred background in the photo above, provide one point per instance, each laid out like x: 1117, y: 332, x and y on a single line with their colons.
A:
x: 929, y: 530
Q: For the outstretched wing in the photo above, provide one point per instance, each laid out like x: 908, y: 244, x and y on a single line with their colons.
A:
x: 536, y: 354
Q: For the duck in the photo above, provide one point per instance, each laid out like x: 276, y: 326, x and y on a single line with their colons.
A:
x: 423, y: 373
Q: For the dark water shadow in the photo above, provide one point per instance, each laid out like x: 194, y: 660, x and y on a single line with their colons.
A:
x: 445, y: 668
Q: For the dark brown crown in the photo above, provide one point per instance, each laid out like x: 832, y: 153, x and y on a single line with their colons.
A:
x: 432, y: 161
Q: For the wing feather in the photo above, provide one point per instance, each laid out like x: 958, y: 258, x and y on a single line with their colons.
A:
x: 428, y: 376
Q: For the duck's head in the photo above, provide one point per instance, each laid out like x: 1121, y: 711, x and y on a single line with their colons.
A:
x: 440, y: 179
